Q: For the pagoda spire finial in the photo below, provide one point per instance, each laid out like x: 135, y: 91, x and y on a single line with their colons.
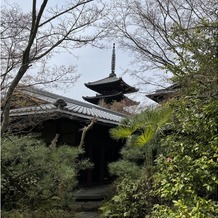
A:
x: 113, y: 62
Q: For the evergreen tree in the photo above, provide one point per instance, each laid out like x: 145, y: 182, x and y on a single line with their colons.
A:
x: 35, y: 176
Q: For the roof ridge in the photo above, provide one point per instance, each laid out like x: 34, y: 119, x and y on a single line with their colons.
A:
x: 67, y: 99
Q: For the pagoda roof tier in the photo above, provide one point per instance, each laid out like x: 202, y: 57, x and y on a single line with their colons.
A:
x: 110, y: 83
x: 109, y: 99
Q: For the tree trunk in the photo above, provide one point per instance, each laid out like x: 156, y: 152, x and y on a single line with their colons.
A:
x: 6, y: 111
x: 85, y: 129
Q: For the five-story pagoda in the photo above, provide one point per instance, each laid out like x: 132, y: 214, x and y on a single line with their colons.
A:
x: 110, y: 89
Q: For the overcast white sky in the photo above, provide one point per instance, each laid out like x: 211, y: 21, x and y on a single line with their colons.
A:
x: 93, y: 64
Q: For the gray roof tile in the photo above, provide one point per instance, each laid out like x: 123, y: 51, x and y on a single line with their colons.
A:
x: 73, y: 107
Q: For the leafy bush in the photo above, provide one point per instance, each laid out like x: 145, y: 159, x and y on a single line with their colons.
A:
x: 34, y: 176
x: 185, y: 179
x: 131, y: 163
x: 186, y: 176
x: 132, y: 199
x: 38, y: 214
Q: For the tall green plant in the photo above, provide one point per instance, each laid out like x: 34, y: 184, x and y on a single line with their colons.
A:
x: 144, y: 125
x: 133, y: 187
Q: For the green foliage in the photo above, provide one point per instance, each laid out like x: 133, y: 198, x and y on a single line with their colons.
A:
x: 186, y: 177
x: 122, y: 168
x: 144, y: 125
x: 34, y: 176
x: 196, y: 68
x: 133, y: 197
x: 38, y: 214
x: 132, y: 200
x: 185, y: 180
x: 131, y: 163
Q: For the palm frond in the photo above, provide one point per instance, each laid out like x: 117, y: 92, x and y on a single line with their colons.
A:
x: 121, y: 132
x: 141, y: 128
x: 145, y: 137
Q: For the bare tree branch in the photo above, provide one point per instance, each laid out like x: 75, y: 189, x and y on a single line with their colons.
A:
x: 159, y: 32
x: 85, y: 130
x: 30, y: 40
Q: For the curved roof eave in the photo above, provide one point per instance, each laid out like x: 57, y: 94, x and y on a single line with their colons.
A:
x: 109, y: 81
x: 96, y: 99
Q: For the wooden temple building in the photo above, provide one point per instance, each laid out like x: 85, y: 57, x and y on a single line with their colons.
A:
x: 111, y: 88
x: 161, y: 96
x: 51, y: 115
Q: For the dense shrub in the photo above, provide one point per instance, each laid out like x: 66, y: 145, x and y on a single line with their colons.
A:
x: 38, y: 214
x: 186, y: 177
x: 131, y: 164
x: 132, y: 200
x: 34, y: 176
x: 183, y: 182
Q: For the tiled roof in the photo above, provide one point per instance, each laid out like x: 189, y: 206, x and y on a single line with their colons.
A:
x: 109, y: 81
x: 110, y: 98
x: 162, y: 94
x: 73, y: 108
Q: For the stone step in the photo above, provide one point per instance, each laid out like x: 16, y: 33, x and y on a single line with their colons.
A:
x: 87, y: 215
x: 96, y: 193
x: 84, y: 206
x: 88, y: 200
